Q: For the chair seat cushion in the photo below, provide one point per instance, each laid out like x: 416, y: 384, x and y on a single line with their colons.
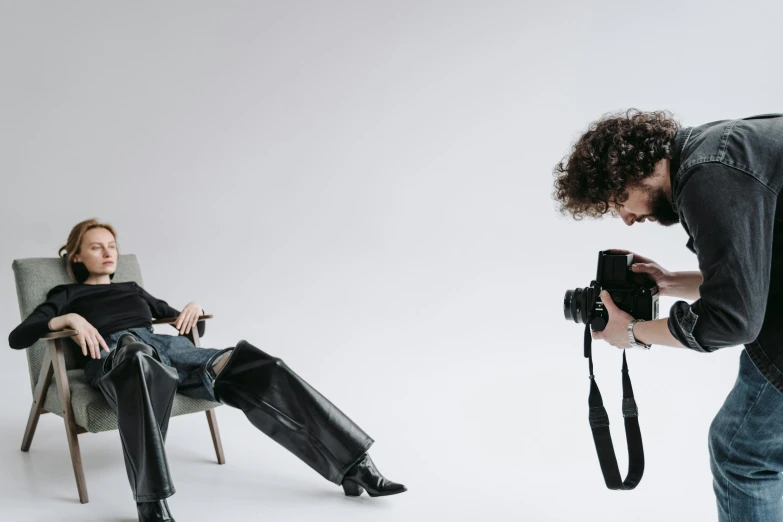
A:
x: 92, y: 412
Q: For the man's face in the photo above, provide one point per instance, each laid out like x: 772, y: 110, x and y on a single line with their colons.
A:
x: 650, y: 200
x: 645, y: 203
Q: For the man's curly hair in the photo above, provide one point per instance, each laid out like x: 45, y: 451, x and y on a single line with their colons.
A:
x: 617, y: 152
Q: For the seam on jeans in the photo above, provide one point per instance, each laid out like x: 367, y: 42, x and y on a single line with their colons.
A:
x: 730, y: 450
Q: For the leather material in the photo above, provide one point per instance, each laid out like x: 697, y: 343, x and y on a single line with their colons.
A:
x: 140, y: 389
x: 290, y: 411
x: 154, y: 511
x: 364, y: 475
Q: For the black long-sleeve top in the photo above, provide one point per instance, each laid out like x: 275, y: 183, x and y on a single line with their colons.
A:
x: 108, y: 307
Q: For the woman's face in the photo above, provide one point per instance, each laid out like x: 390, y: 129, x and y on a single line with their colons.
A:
x: 98, y: 252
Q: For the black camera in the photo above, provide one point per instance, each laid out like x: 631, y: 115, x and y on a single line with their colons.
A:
x: 634, y: 293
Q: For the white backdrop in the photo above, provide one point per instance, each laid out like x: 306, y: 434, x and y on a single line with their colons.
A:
x: 364, y: 189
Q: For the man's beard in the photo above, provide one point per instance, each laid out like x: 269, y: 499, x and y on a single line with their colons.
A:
x: 662, y: 209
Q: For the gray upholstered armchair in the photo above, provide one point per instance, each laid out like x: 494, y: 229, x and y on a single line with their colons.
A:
x: 82, y: 407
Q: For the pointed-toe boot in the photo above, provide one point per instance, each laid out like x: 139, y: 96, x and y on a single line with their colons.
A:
x: 365, y: 476
x: 140, y: 389
x: 157, y: 511
x: 291, y: 412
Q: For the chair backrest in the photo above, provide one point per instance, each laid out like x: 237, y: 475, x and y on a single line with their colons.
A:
x: 35, y: 276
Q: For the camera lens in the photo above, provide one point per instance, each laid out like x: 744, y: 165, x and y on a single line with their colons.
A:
x: 569, y: 296
x: 576, y: 304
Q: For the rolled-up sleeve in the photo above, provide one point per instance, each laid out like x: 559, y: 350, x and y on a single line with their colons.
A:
x: 730, y: 216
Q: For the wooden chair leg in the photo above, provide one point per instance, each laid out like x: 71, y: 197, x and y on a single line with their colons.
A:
x: 213, y: 427
x: 211, y: 417
x: 71, y: 430
x: 39, y: 396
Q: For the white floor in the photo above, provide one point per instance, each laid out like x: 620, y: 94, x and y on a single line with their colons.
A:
x: 471, y: 438
x: 260, y: 480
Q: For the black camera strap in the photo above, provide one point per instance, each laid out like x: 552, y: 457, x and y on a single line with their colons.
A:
x: 599, y: 423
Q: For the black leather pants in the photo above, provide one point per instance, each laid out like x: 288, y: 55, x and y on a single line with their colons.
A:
x: 140, y: 389
x: 290, y: 411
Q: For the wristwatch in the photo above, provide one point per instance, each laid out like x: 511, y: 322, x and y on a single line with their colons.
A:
x: 632, y: 339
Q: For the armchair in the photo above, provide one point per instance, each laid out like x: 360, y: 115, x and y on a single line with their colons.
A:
x: 83, y: 408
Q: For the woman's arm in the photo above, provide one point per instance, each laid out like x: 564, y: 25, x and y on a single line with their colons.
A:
x: 37, y: 323
x: 61, y: 322
x: 161, y: 308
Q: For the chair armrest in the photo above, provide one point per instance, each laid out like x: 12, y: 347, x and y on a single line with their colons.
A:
x: 57, y: 334
x: 192, y: 335
x: 68, y: 332
x: 168, y: 320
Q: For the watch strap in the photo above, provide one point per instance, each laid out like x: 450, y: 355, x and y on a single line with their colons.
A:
x: 632, y: 339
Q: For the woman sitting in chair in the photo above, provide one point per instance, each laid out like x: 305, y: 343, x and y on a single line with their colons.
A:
x: 139, y: 371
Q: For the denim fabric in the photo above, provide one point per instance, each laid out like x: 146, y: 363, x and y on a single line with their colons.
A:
x: 727, y: 186
x: 746, y: 449
x: 193, y: 364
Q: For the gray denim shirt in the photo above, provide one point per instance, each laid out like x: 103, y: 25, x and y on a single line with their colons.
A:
x: 726, y: 183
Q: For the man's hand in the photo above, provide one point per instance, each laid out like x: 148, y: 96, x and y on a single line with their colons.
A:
x: 188, y: 317
x: 616, y: 331
x: 87, y: 336
x: 643, y: 265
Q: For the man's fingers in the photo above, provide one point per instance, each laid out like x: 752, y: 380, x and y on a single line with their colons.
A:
x: 607, y: 300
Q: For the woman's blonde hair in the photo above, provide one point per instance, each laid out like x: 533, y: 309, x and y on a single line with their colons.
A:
x: 74, y: 244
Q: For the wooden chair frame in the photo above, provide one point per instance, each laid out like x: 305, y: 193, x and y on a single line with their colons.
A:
x: 54, y: 365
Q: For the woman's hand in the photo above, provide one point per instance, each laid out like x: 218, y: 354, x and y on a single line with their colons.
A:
x: 188, y: 317
x: 616, y: 330
x: 642, y: 265
x: 87, y: 336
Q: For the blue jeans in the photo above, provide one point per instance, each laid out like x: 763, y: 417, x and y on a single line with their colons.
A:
x: 193, y: 364
x: 746, y: 449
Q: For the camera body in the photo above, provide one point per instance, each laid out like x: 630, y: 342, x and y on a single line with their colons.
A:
x: 633, y: 293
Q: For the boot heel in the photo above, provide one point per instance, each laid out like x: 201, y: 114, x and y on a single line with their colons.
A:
x: 352, y: 489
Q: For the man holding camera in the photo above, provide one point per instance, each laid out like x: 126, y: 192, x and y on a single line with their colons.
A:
x: 722, y: 181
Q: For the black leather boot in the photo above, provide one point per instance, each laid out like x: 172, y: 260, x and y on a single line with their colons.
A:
x: 154, y: 511
x: 140, y: 389
x: 290, y: 411
x: 364, y: 475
